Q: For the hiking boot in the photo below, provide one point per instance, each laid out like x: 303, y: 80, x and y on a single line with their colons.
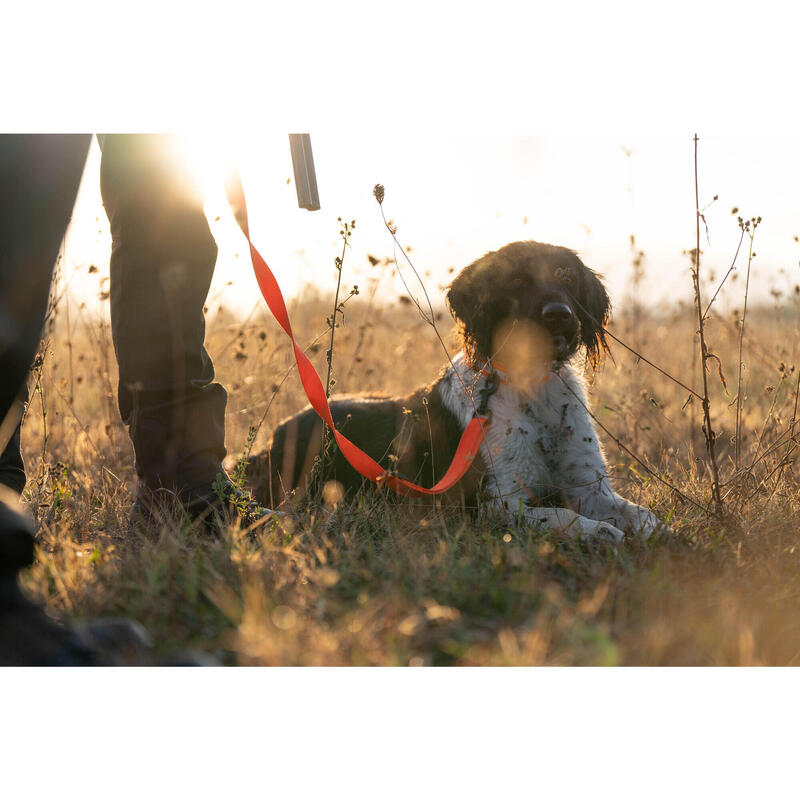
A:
x: 28, y: 637
x: 220, y: 502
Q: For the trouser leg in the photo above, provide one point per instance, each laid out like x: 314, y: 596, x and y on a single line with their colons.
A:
x: 162, y: 262
x: 39, y: 178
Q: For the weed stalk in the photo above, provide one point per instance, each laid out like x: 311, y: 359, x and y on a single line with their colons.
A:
x: 708, y: 431
x: 345, y: 232
x: 750, y: 231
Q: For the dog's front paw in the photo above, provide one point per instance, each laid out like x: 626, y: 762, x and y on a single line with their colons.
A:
x: 642, y: 522
x: 592, y: 530
x: 574, y: 525
x: 606, y: 532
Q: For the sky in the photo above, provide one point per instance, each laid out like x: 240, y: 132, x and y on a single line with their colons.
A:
x: 455, y: 197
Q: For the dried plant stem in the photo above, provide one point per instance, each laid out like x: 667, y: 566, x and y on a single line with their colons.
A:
x: 708, y: 431
x: 784, y: 439
x: 345, y: 233
x: 727, y: 274
x: 38, y: 369
x: 292, y: 367
x: 779, y: 467
x: 768, y: 416
x: 650, y: 363
x: 739, y: 398
x: 693, y: 408
x: 794, y: 418
x: 362, y: 331
x: 339, y: 264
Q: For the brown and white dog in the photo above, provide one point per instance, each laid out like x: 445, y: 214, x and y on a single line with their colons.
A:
x: 524, y: 311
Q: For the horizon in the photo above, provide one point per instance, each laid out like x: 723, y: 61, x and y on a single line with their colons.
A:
x: 642, y: 187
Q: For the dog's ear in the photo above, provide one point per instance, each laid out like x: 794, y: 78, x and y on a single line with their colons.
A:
x: 471, y: 298
x: 594, y: 311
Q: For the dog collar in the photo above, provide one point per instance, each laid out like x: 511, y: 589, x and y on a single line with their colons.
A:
x: 490, y: 369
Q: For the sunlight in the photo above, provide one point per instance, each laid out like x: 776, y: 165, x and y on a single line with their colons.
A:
x: 201, y: 158
x: 455, y: 198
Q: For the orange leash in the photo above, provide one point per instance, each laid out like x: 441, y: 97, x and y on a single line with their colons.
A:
x: 312, y: 384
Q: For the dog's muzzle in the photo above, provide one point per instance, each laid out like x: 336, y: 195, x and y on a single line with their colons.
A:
x: 562, y: 324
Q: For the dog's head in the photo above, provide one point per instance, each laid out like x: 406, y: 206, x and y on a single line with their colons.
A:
x: 542, y: 290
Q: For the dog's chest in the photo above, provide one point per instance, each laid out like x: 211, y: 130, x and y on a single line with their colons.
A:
x: 534, y: 438
x: 527, y: 434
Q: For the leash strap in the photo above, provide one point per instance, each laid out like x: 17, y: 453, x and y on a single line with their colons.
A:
x: 312, y: 384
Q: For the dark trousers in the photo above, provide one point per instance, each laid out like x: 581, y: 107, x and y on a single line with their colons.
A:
x: 162, y: 261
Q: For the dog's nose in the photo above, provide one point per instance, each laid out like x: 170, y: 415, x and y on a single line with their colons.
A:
x: 556, y: 314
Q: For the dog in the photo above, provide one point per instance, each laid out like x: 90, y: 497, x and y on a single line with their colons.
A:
x: 524, y: 311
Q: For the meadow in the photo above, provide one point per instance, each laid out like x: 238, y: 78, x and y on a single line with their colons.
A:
x: 370, y: 582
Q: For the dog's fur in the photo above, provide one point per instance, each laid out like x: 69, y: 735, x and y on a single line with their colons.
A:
x: 524, y: 311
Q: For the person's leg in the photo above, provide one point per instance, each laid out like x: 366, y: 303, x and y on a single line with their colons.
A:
x: 39, y: 178
x: 162, y: 262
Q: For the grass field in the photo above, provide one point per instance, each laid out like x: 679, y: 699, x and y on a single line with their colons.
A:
x: 374, y: 583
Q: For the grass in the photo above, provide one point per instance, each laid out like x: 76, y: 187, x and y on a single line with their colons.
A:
x: 378, y: 582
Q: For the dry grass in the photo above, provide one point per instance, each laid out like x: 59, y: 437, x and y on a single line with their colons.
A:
x: 374, y: 583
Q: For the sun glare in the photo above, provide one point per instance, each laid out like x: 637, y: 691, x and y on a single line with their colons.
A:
x: 201, y: 159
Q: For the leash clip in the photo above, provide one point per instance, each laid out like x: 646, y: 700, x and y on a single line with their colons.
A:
x: 489, y: 388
